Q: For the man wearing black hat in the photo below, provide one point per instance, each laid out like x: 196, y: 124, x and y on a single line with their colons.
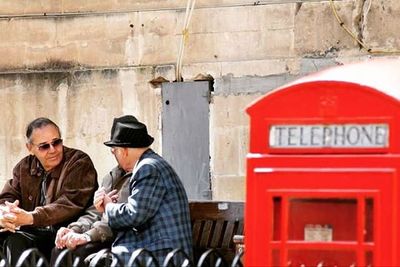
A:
x: 155, y: 215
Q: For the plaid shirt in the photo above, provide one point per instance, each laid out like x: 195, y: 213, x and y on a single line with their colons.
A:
x: 156, y: 215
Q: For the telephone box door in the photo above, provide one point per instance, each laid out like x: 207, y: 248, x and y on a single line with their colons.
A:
x: 343, y: 224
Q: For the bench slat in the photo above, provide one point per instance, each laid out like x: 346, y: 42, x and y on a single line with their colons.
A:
x: 196, y: 232
x: 206, y: 234
x: 214, y: 223
x: 216, y: 237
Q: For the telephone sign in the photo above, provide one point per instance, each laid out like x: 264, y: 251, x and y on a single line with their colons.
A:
x: 318, y: 136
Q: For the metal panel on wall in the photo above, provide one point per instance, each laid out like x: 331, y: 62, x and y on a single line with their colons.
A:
x: 185, y: 134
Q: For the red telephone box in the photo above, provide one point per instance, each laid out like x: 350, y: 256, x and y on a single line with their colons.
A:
x: 323, y: 170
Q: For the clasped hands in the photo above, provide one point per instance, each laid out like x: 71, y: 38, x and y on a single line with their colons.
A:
x: 68, y: 238
x: 12, y: 217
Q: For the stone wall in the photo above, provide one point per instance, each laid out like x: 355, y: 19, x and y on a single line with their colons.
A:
x: 82, y: 63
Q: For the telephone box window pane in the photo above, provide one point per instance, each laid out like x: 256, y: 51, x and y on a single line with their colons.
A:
x: 369, y: 220
x: 303, y: 257
x: 369, y: 259
x: 322, y: 220
x: 277, y: 202
x: 276, y: 258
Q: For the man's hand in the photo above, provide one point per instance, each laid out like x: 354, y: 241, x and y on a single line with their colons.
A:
x: 74, y: 239
x: 61, y: 238
x: 111, y: 197
x: 22, y: 217
x: 101, y: 199
x: 98, y: 199
x: 8, y: 217
x: 6, y: 221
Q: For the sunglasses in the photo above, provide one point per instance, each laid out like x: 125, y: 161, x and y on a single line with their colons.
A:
x: 46, y: 146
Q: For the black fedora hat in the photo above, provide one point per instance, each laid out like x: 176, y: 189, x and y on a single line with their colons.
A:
x: 130, y: 134
x: 125, y: 118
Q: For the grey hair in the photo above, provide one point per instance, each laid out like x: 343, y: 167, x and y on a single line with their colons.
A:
x: 39, y: 123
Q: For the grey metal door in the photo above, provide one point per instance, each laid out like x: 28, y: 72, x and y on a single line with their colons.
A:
x: 185, y: 134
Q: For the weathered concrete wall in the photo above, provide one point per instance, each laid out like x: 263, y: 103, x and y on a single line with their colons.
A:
x: 84, y: 62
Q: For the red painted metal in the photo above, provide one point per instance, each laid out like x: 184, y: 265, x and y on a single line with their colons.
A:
x: 326, y: 206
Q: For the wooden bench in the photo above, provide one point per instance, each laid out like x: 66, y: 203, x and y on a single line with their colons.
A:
x: 214, y: 224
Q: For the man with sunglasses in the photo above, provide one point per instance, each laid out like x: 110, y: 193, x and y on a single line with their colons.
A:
x: 50, y: 188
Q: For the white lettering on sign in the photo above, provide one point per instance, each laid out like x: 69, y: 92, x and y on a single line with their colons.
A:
x: 334, y: 135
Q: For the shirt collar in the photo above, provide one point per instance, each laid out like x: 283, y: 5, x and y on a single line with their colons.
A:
x: 36, y: 168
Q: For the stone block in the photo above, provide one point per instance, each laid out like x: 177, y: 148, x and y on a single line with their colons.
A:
x: 165, y: 71
x: 317, y: 33
x: 256, y: 69
x: 12, y: 56
x: 230, y: 85
x: 102, y: 53
x: 221, y: 36
x: 41, y: 7
x: 72, y: 6
x: 224, y: 151
x: 229, y: 129
x: 62, y: 56
x: 229, y: 188
x: 261, y: 67
x: 230, y: 111
x: 380, y: 27
x: 80, y: 29
x: 28, y: 31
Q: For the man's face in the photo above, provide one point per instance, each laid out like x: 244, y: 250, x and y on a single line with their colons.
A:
x: 46, y: 145
x: 118, y: 154
x: 124, y: 157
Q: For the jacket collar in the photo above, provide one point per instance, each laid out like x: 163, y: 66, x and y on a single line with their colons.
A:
x: 36, y: 168
x: 145, y: 154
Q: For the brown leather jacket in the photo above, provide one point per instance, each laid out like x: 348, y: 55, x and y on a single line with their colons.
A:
x: 70, y: 188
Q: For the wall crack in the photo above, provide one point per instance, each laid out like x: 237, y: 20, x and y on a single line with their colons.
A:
x: 360, y: 15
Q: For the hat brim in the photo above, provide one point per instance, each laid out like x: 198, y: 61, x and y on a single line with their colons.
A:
x: 147, y: 143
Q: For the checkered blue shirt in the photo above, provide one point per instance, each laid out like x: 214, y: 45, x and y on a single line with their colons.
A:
x: 156, y: 215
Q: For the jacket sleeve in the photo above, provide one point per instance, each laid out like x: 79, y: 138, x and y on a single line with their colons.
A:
x: 94, y: 225
x: 146, y: 194
x: 92, y: 222
x: 10, y: 191
x: 101, y: 232
x: 86, y: 221
x: 79, y: 182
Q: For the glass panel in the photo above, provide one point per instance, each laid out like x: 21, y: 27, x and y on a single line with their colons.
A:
x: 369, y: 259
x: 369, y: 220
x: 320, y: 219
x: 277, y: 201
x: 275, y: 258
x: 303, y: 258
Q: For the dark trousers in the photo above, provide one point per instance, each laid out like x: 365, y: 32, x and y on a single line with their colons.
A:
x: 14, y: 244
x: 81, y: 251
